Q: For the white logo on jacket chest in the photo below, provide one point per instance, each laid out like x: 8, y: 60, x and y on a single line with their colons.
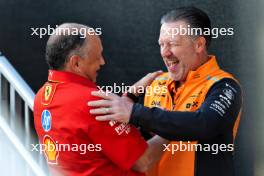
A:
x: 120, y: 128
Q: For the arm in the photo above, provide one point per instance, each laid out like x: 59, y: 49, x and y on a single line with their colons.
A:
x: 204, y: 123
x: 151, y: 155
x: 136, y: 154
x: 143, y: 82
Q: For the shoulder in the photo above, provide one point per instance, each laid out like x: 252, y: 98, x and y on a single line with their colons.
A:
x: 229, y: 83
x: 161, y: 79
x: 226, y: 87
x: 77, y: 91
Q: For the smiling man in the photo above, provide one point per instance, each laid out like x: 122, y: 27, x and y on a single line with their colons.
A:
x: 200, y: 110
x: 180, y: 53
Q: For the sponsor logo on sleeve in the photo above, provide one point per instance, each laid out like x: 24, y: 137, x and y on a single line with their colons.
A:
x: 229, y: 94
x: 48, y: 93
x: 50, y: 150
x: 46, y: 120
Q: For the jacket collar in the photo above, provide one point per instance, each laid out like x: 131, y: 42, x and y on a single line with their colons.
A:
x: 204, y: 70
x: 68, y: 77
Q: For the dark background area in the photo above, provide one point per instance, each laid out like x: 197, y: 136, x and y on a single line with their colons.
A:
x: 130, y: 33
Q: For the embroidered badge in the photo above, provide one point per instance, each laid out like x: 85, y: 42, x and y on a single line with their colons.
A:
x: 48, y: 93
x: 50, y: 150
x: 46, y: 120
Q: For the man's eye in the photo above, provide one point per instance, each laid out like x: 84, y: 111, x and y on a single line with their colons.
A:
x: 174, y: 44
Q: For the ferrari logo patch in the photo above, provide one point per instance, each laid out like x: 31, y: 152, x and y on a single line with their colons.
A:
x: 48, y: 93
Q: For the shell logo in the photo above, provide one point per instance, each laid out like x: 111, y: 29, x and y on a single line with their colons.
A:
x: 50, y: 150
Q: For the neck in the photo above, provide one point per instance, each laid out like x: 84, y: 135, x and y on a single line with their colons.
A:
x: 204, y: 59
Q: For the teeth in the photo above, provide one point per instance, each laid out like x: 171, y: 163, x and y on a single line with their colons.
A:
x: 172, y: 63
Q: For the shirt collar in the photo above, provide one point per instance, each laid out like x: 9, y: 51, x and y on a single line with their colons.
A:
x: 204, y: 70
x: 66, y: 77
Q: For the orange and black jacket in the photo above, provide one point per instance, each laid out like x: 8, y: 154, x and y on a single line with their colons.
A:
x: 212, y: 119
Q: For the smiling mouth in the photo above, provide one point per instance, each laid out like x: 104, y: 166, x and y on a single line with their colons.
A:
x: 172, y: 63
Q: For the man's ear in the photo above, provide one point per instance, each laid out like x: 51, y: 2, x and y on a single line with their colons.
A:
x: 74, y: 63
x: 200, y: 45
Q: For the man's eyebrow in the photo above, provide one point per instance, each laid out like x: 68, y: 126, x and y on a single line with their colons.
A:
x: 170, y: 40
x: 174, y: 41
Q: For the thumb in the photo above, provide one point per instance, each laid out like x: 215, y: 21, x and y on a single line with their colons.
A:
x: 151, y: 76
x: 155, y: 74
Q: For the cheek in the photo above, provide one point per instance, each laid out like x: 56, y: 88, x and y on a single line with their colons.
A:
x: 187, y: 63
x: 188, y: 56
x: 180, y: 52
x: 94, y: 66
x: 91, y: 69
x: 177, y: 51
x: 91, y: 64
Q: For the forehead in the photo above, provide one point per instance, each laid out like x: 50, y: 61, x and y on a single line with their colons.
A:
x: 93, y: 42
x: 98, y: 42
x: 171, y: 31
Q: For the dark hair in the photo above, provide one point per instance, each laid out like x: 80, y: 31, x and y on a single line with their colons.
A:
x: 58, y: 50
x: 193, y: 16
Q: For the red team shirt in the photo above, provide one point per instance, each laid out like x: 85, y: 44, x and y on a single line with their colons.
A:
x: 74, y: 143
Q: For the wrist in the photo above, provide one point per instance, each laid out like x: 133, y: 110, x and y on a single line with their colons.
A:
x: 132, y: 96
x: 134, y: 90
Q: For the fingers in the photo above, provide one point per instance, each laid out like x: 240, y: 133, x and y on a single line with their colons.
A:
x: 105, y: 118
x: 99, y: 103
x: 156, y: 73
x: 101, y: 111
x: 104, y: 95
x: 153, y: 75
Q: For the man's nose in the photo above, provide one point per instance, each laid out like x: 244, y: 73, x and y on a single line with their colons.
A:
x: 102, y: 61
x: 165, y: 51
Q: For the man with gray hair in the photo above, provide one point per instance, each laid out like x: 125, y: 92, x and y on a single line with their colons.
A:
x: 73, y: 142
